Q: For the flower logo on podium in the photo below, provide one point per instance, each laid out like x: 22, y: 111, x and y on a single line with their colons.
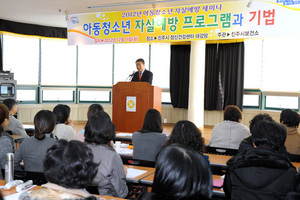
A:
x: 131, y: 104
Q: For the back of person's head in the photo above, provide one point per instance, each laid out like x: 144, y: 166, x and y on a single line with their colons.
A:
x: 94, y: 108
x: 187, y: 134
x: 140, y: 60
x: 269, y: 135
x: 70, y: 164
x: 99, y: 129
x: 44, y: 122
x: 10, y: 103
x: 181, y: 174
x: 290, y: 118
x: 62, y: 113
x: 152, y: 122
x: 232, y: 113
x: 4, y: 114
x: 258, y: 118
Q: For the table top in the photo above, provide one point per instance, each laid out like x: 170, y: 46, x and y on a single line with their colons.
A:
x: 13, y: 191
x: 216, y: 191
x: 149, y: 171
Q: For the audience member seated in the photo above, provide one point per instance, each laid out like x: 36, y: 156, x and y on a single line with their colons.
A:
x: 69, y: 168
x: 65, y: 126
x: 32, y: 150
x: 148, y: 141
x: 6, y: 141
x: 230, y: 132
x: 94, y: 108
x: 261, y: 172
x: 291, y: 119
x: 247, y: 143
x: 111, y: 177
x: 181, y: 174
x: 15, y: 126
x: 187, y: 134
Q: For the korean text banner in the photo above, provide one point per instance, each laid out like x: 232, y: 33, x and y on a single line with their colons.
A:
x: 230, y: 20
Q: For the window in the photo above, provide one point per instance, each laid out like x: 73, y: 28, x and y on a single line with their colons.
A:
x: 58, y: 95
x: 124, y: 59
x: 253, y: 64
x: 95, y: 65
x: 58, y: 62
x: 160, y: 64
x: 281, y: 64
x: 281, y: 102
x: 95, y: 95
x: 21, y: 57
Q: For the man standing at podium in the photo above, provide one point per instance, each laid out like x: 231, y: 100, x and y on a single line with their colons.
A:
x: 142, y: 74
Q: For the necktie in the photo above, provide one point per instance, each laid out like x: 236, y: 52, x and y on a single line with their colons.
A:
x: 140, y: 76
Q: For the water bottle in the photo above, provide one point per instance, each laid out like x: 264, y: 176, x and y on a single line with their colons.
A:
x: 9, y: 167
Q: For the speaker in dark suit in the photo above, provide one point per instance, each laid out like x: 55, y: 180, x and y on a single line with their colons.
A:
x: 146, y: 75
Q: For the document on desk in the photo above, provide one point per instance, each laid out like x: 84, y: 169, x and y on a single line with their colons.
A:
x: 132, y: 173
x: 28, y: 126
x: 17, y: 195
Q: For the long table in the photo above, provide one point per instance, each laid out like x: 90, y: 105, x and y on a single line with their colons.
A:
x: 148, y: 180
x: 12, y: 191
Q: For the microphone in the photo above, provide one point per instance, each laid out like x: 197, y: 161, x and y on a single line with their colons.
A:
x: 132, y: 74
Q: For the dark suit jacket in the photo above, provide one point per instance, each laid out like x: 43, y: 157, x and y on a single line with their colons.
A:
x: 146, y: 77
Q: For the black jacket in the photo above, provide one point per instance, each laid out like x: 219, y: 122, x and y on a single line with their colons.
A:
x: 146, y: 77
x: 259, y: 174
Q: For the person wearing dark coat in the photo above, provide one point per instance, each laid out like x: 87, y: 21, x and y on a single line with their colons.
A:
x: 142, y: 74
x: 261, y: 172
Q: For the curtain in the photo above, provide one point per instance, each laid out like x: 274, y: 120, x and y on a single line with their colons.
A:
x: 31, y: 29
x: 224, y: 76
x: 179, y: 75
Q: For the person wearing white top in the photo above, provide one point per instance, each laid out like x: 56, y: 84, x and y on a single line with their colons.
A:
x: 65, y: 126
x: 230, y: 132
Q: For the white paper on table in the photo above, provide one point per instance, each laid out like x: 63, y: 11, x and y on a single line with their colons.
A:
x: 28, y: 126
x: 124, y: 151
x: 13, y: 196
x: 132, y: 173
x: 124, y: 134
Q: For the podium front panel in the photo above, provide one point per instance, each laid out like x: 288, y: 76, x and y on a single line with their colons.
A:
x: 146, y: 97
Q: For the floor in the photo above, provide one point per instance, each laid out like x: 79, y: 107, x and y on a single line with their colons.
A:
x: 206, y: 131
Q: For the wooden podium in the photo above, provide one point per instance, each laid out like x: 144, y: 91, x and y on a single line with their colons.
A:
x: 131, y: 101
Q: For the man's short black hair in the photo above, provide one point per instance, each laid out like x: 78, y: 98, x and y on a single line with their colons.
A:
x: 140, y: 60
x: 258, y: 118
x: 290, y: 118
x: 70, y: 164
x: 10, y: 103
x: 271, y: 135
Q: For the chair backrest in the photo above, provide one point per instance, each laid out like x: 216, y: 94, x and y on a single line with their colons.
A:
x: 221, y: 151
x: 38, y: 178
x: 294, y: 157
x: 144, y: 163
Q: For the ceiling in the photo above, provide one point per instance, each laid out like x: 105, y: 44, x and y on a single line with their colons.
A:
x: 53, y: 12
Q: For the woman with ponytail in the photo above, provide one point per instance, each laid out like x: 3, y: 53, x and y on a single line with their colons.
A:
x: 6, y: 141
x: 33, y: 150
